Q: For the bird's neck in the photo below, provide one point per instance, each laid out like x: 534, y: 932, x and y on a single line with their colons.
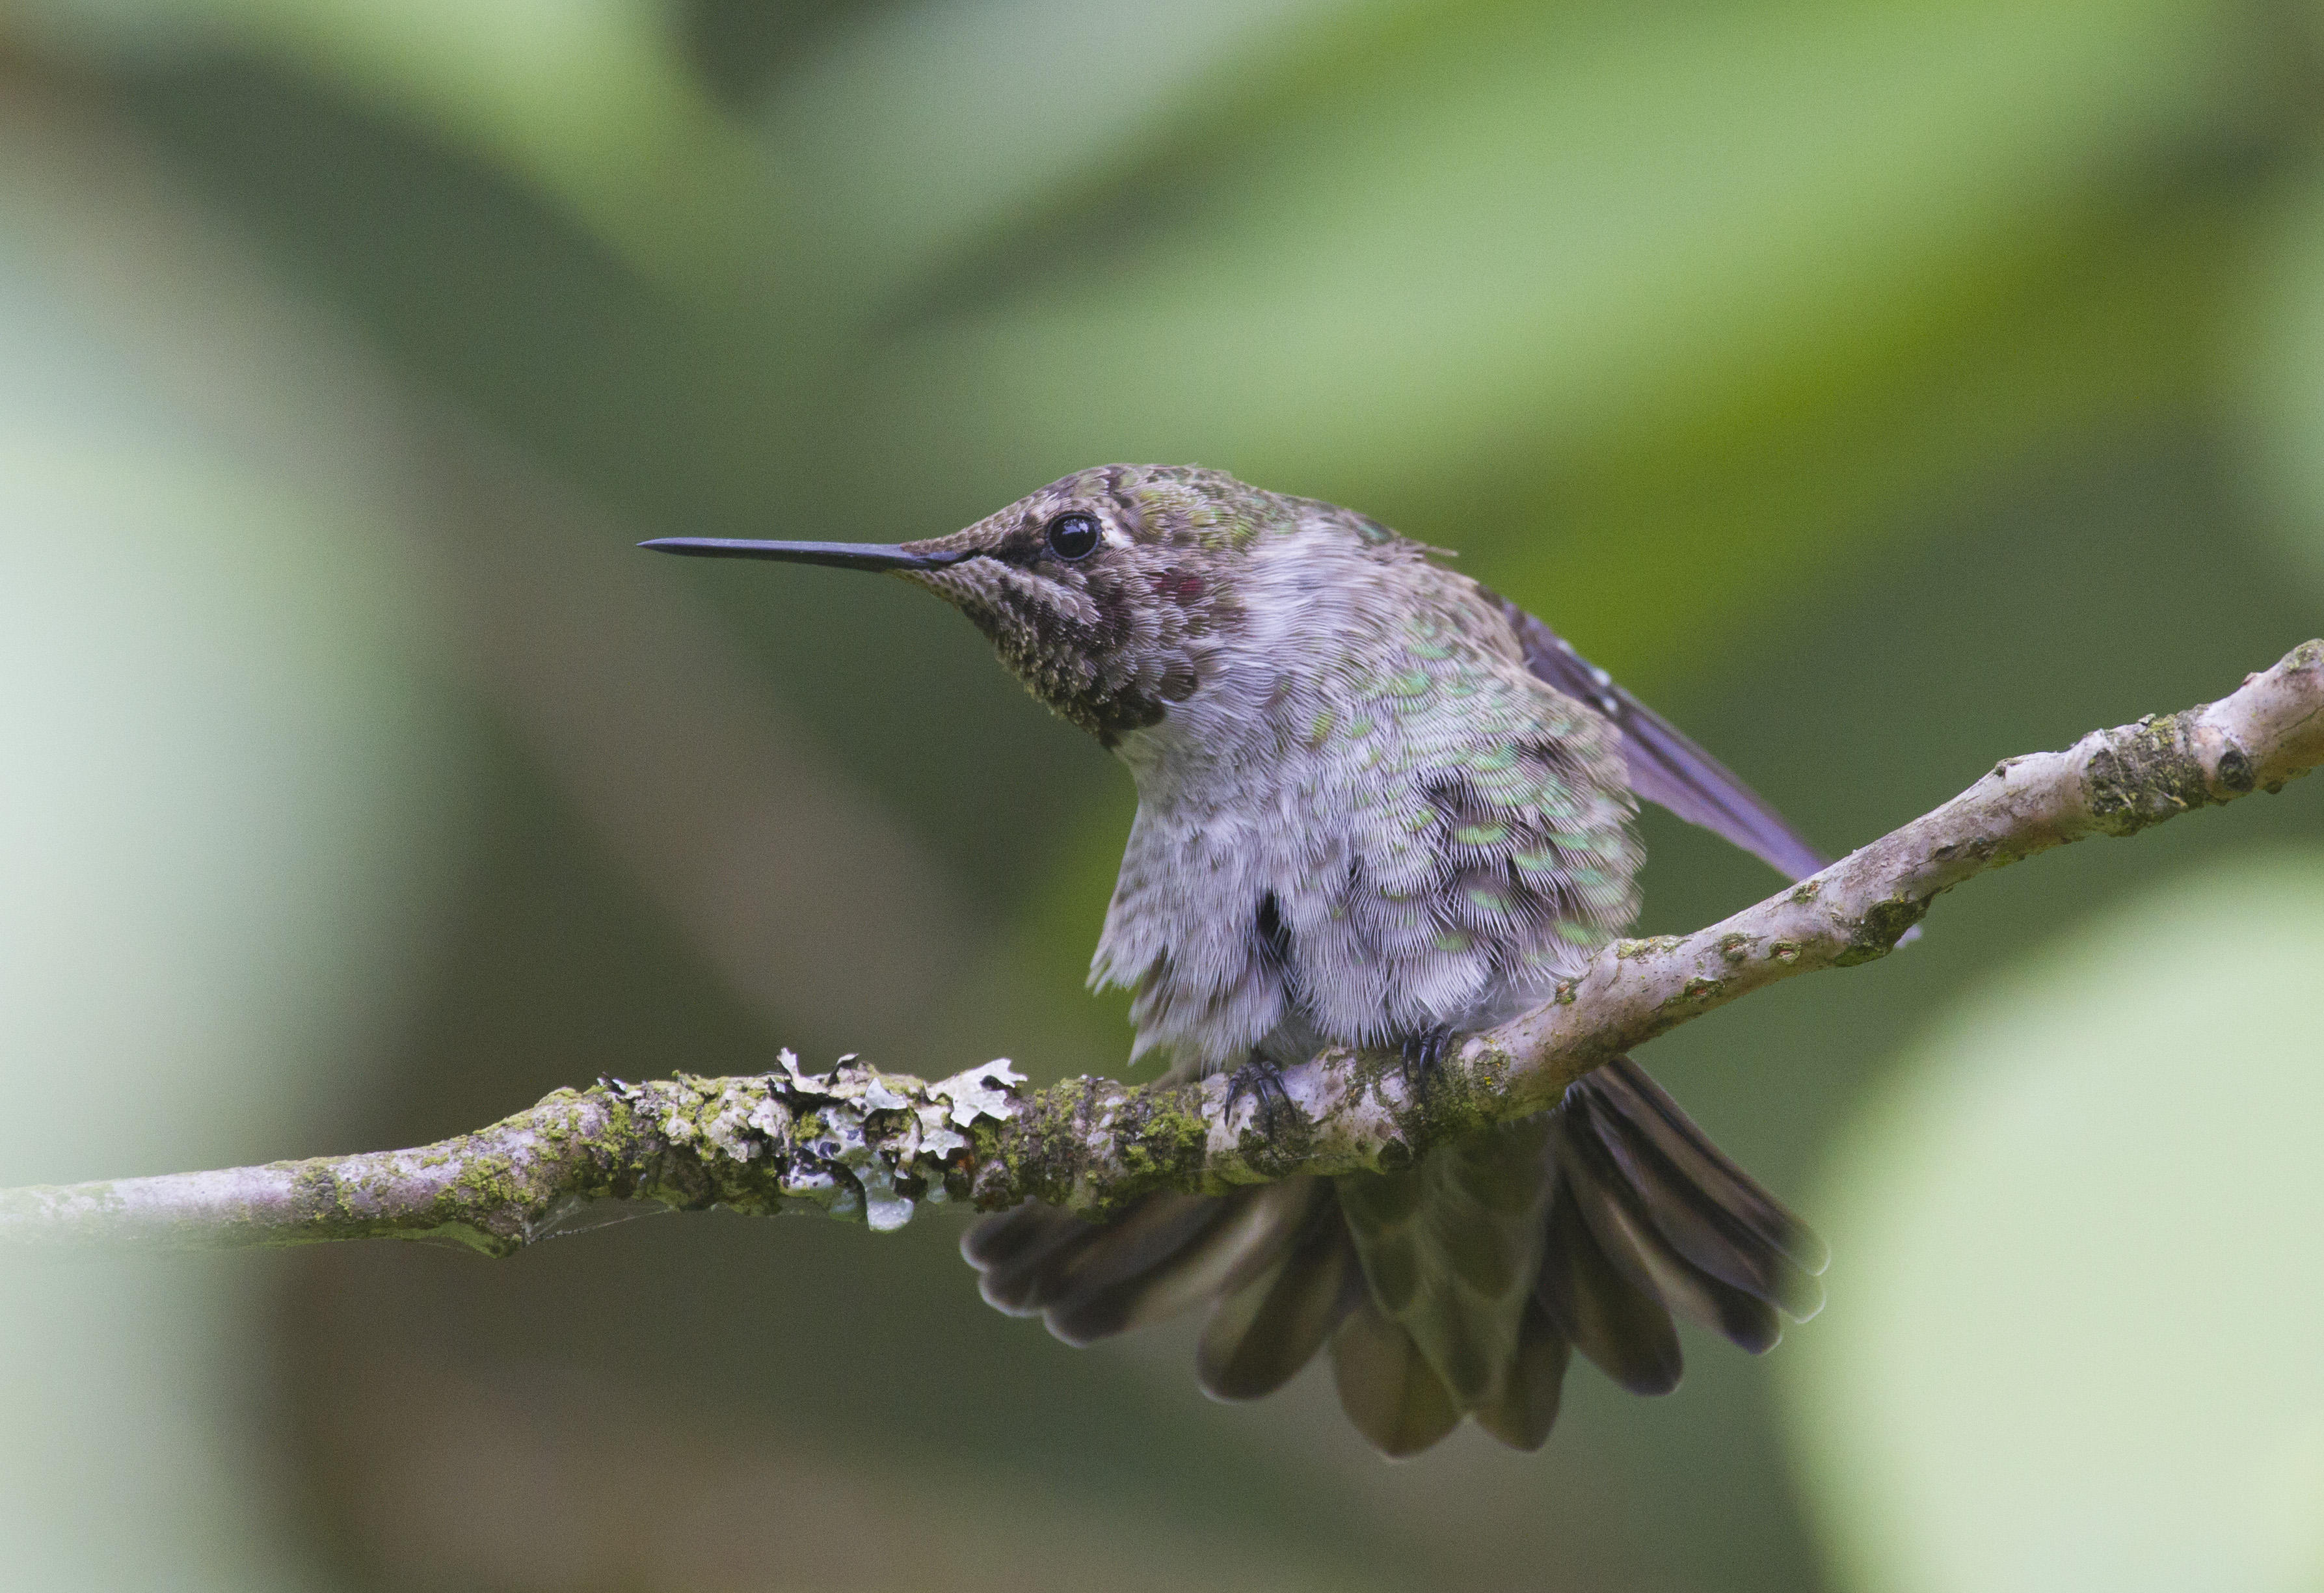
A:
x: 1312, y: 636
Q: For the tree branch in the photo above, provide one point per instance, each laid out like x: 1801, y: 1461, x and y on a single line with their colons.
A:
x: 859, y: 1143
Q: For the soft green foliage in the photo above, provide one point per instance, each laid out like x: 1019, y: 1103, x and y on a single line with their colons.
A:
x: 226, y: 802
x: 2095, y: 1174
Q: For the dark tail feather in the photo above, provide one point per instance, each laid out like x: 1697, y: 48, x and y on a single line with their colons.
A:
x: 1036, y: 1256
x: 1253, y: 1230
x: 1627, y: 1095
x: 1651, y: 1218
x: 1627, y: 1236
x: 1685, y: 1218
x: 1262, y: 1333
x: 1387, y: 1386
x: 1166, y: 1253
x: 1451, y: 1247
x: 1699, y: 1256
x: 1007, y: 1249
x: 1526, y: 1409
x: 1628, y: 1333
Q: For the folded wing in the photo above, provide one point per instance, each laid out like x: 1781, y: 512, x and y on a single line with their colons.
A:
x: 1667, y: 767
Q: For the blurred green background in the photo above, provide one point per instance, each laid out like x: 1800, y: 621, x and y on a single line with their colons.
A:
x: 1880, y: 389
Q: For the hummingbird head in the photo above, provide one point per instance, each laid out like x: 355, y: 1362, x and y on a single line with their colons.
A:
x: 1113, y: 594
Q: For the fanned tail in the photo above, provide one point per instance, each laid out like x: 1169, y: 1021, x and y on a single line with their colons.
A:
x: 1457, y: 1287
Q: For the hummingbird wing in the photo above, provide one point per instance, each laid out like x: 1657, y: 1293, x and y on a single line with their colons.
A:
x: 1667, y: 767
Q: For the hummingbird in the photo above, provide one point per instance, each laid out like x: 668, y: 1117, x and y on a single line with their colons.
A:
x: 1379, y: 806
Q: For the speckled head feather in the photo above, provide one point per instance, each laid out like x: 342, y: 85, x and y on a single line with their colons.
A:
x: 1109, y: 638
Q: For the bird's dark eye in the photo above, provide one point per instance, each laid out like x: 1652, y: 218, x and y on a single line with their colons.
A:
x: 1073, y: 536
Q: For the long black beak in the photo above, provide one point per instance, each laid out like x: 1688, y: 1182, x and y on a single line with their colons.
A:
x: 847, y: 556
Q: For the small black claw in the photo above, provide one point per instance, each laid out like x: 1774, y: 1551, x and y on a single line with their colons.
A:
x: 1425, y: 1053
x: 1263, y: 1079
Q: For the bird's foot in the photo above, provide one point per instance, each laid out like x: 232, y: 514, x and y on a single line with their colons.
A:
x: 1423, y: 1053
x: 1263, y: 1079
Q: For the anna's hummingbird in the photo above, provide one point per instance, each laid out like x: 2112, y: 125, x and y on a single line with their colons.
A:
x: 1380, y: 805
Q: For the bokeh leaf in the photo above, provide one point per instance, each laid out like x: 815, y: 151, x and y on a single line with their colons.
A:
x: 228, y: 822
x: 931, y: 127
x: 2071, y: 1342
x: 1494, y: 231
x: 2276, y: 348
x: 590, y: 102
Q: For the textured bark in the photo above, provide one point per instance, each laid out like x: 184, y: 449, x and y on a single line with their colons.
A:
x: 858, y: 1143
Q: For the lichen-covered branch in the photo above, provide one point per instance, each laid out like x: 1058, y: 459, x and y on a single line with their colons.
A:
x: 867, y: 1144
x: 854, y: 1142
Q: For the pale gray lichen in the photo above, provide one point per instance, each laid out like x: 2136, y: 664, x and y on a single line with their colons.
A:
x: 728, y: 1127
x: 989, y: 1090
x: 854, y: 1142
